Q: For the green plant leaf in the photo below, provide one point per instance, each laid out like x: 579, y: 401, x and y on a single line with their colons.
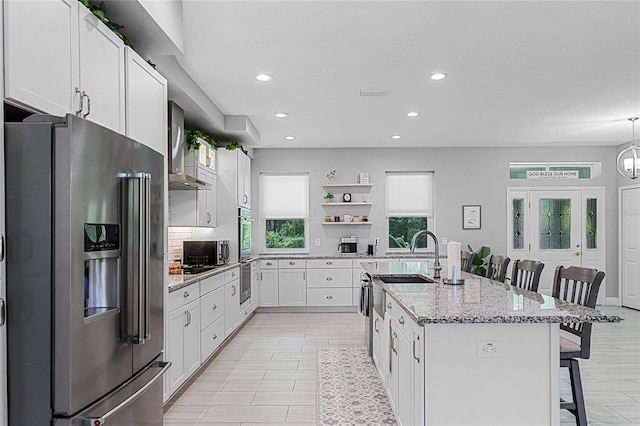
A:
x: 484, y: 251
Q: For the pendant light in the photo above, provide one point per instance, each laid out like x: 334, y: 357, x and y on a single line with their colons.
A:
x: 628, y: 163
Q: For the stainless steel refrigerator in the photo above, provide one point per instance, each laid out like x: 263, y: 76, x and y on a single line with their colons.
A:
x: 85, y: 235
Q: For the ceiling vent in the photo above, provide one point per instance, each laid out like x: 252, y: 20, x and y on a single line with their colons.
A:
x: 374, y: 92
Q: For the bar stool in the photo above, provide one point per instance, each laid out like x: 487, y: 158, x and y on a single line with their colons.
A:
x: 526, y: 274
x: 580, y: 286
x: 497, y: 268
x: 466, y: 260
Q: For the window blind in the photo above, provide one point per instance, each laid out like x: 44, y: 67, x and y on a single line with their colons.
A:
x: 284, y: 196
x: 409, y: 194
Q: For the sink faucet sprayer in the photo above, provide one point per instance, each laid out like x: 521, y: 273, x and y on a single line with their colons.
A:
x: 437, y: 267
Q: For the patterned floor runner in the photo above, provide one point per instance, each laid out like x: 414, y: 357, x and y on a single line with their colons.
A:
x: 349, y: 389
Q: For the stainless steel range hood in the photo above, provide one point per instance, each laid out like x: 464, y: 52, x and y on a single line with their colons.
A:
x: 178, y: 179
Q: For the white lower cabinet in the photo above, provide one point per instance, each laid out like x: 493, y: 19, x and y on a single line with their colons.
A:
x: 184, y: 334
x: 292, y: 287
x: 231, y: 306
x: 255, y: 280
x: 404, y: 370
x: 378, y: 327
x: 268, y: 288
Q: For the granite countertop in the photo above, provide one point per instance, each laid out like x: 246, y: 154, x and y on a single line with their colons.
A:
x: 478, y: 300
x: 308, y: 256
x: 178, y: 281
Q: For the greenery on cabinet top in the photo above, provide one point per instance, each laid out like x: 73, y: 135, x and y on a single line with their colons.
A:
x: 100, y: 12
x: 193, y: 138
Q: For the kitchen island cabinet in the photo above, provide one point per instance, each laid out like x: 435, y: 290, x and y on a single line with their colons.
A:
x: 481, y: 343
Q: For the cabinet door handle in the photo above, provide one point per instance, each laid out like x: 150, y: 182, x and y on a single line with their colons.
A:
x: 208, y: 217
x: 292, y: 263
x: 375, y: 325
x: 215, y: 336
x: 329, y: 279
x: 329, y: 263
x: 304, y: 276
x: 389, y: 305
x: 215, y: 307
x: 88, y: 104
x: 260, y: 276
x: 401, y: 320
x: 245, y: 198
x: 186, y: 317
x: 233, y: 274
x: 245, y: 313
x: 269, y: 263
x: 414, y: 349
x: 81, y: 106
x: 234, y: 290
x: 393, y: 343
x: 329, y: 297
x: 1, y: 248
x: 186, y: 294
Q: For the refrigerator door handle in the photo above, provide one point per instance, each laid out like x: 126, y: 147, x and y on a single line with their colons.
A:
x: 102, y: 420
x: 144, y: 230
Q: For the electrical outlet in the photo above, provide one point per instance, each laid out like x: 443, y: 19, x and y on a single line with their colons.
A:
x: 444, y: 241
x: 489, y: 349
x: 376, y: 241
x: 317, y: 242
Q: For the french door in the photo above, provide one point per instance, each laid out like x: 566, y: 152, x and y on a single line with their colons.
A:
x: 630, y: 246
x: 559, y: 226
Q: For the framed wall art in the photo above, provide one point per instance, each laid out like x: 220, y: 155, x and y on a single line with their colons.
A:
x: 471, y: 217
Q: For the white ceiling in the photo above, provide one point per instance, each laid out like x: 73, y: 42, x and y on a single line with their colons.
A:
x: 536, y: 73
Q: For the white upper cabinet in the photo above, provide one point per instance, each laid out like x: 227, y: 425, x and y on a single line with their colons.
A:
x: 146, y: 103
x: 59, y: 59
x: 244, y: 180
x: 41, y: 54
x: 101, y: 72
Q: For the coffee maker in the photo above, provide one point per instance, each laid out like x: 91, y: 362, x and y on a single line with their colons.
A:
x: 348, y: 244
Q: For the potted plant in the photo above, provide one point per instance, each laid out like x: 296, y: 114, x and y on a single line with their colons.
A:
x: 329, y: 197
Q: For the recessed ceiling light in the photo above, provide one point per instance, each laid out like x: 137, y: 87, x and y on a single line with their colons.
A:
x: 396, y: 137
x: 412, y: 114
x: 289, y: 138
x: 438, y: 76
x: 264, y: 77
x: 281, y: 114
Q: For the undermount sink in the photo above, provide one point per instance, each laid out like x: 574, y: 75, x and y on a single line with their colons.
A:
x: 406, y: 279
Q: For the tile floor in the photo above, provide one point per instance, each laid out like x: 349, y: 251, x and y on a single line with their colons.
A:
x: 266, y: 374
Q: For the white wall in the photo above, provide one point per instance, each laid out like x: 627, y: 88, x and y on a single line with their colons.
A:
x: 462, y: 176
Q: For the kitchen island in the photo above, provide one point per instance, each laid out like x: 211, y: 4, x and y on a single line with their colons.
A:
x: 482, y: 352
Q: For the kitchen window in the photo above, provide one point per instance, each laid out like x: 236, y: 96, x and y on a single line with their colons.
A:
x: 284, y: 211
x: 408, y: 208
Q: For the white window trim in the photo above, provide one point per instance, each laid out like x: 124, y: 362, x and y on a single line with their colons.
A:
x: 263, y: 219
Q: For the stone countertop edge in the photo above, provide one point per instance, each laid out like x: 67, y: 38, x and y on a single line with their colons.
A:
x: 580, y: 313
x: 176, y: 282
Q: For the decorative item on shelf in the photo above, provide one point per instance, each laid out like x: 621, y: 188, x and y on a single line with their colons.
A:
x: 628, y: 163
x: 363, y: 177
x: 346, y: 197
x: 348, y: 218
x: 471, y: 217
x: 331, y: 176
x: 365, y: 218
x: 327, y: 218
x: 356, y: 218
x: 336, y: 218
x: 329, y: 197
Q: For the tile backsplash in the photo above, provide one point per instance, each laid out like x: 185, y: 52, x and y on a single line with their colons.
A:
x: 176, y: 236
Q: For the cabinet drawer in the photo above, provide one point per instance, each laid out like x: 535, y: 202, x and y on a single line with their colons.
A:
x: 399, y: 316
x: 210, y: 338
x: 268, y: 264
x: 329, y: 278
x: 231, y: 275
x: 329, y: 263
x: 183, y: 296
x: 209, y: 284
x: 329, y: 296
x: 211, y: 306
x: 292, y: 263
